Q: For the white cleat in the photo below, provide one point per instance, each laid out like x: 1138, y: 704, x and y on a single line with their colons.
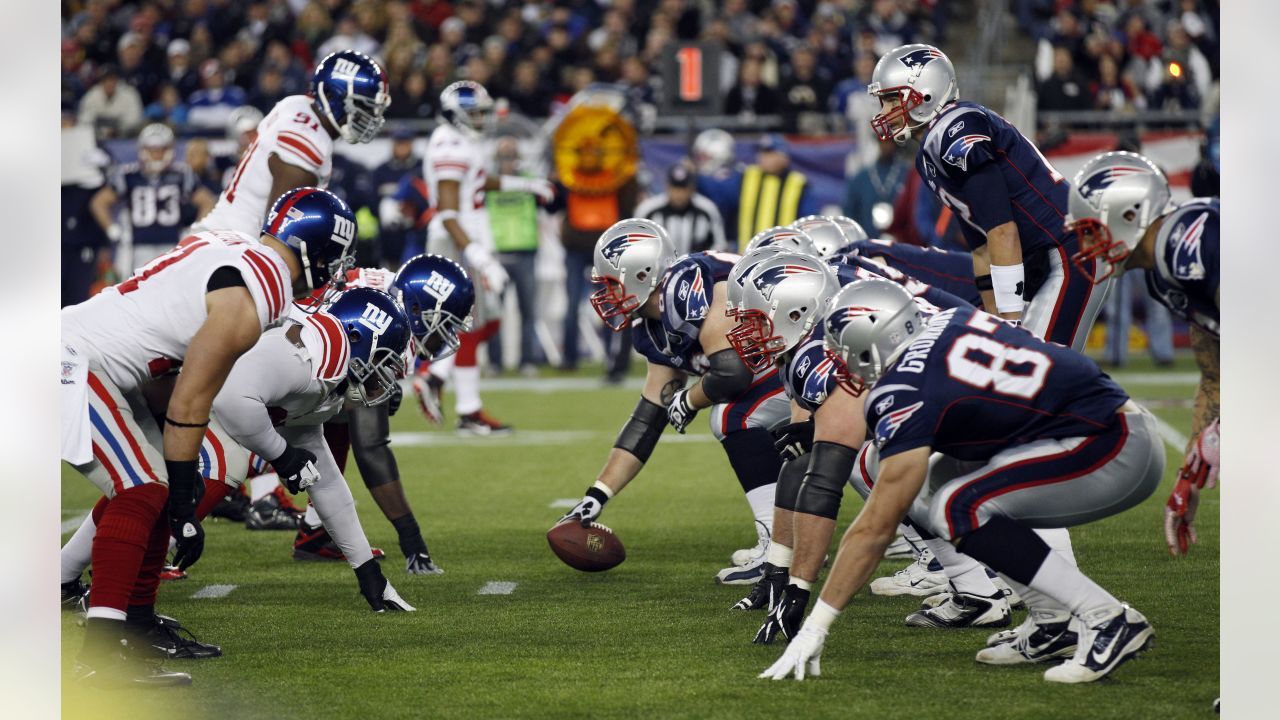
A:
x: 1048, y: 636
x: 922, y: 578
x: 747, y: 556
x: 961, y: 610
x: 742, y: 574
x: 899, y: 549
x: 1109, y: 637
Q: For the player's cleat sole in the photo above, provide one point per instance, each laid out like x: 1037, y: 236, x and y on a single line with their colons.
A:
x: 741, y: 574
x: 167, y: 638
x: 1031, y: 643
x: 962, y: 610
x: 922, y: 578
x: 1111, y: 638
x: 480, y: 424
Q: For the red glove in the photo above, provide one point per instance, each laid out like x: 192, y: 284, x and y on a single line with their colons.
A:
x: 1199, y: 471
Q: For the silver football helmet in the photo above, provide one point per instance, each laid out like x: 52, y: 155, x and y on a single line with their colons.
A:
x: 913, y: 83
x: 1113, y: 200
x: 784, y: 236
x: 868, y: 323
x: 712, y: 150
x: 782, y: 300
x: 630, y: 259
x: 828, y: 236
x: 852, y: 228
x: 739, y: 273
x: 155, y: 148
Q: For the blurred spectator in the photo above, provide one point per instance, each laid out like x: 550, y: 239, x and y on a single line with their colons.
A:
x: 1190, y: 61
x: 805, y: 93
x: 133, y: 67
x: 528, y: 94
x: 413, y: 101
x: 1206, y: 180
x: 168, y: 107
x: 891, y: 26
x: 268, y: 91
x: 719, y: 175
x: 393, y: 222
x: 348, y: 35
x: 353, y: 182
x: 1066, y: 88
x: 295, y: 78
x: 112, y: 108
x: 513, y: 217
x: 1114, y: 91
x: 313, y: 27
x: 1139, y: 40
x: 751, y: 97
x: 692, y: 220
x: 1175, y: 90
x: 876, y: 184
x: 181, y: 73
x: 85, y: 248
x: 1033, y: 16
x: 772, y: 193
x: 200, y: 160
x: 212, y: 104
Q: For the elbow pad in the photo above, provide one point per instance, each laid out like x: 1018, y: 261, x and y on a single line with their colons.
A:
x: 640, y: 435
x: 726, y: 378
x: 823, y: 486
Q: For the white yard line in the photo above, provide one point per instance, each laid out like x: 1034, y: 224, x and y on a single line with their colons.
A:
x: 564, y: 503
x: 497, y: 587
x: 1156, y: 378
x: 70, y: 524
x: 212, y: 592
x: 525, y: 438
x: 1171, y: 436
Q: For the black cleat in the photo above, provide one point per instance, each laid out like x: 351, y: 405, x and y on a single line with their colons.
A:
x: 233, y: 507
x: 268, y: 514
x: 120, y: 671
x: 167, y: 638
x: 75, y: 596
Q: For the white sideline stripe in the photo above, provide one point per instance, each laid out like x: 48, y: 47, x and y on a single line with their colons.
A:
x: 563, y: 503
x: 212, y: 592
x: 1156, y: 378
x: 524, y: 438
x: 497, y: 587
x: 70, y: 524
x: 1170, y: 435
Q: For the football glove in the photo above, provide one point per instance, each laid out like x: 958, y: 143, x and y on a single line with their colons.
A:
x: 680, y: 412
x: 766, y: 592
x: 186, y: 488
x: 586, y: 511
x: 803, y: 654
x: 428, y: 398
x: 538, y: 187
x: 1199, y: 471
x: 420, y: 563
x: 491, y: 272
x: 296, y: 468
x: 785, y: 617
x: 793, y: 439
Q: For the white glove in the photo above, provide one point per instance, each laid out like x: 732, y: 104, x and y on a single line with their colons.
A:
x: 391, y: 214
x: 115, y: 233
x: 681, y: 412
x: 491, y: 272
x: 538, y: 186
x: 376, y: 278
x: 805, y: 651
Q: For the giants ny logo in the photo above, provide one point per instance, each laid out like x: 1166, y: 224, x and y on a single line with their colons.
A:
x: 343, y: 230
x: 345, y: 69
x: 375, y: 318
x: 439, y: 286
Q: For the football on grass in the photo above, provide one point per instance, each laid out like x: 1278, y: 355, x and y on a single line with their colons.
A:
x: 589, y: 549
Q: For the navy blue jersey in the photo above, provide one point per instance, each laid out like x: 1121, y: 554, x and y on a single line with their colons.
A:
x: 1185, y: 278
x: 966, y: 139
x: 159, y: 206
x: 684, y: 298
x: 948, y: 270
x: 854, y: 267
x: 972, y: 385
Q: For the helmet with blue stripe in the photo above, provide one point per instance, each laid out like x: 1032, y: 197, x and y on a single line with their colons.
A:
x: 351, y: 91
x: 466, y: 105
x: 378, y: 332
x: 437, y: 295
x: 320, y: 229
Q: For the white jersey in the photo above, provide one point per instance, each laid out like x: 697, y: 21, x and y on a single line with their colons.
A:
x: 140, y: 329
x: 288, y: 379
x: 291, y: 132
x: 454, y: 156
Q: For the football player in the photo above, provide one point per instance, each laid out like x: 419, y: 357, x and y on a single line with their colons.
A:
x: 456, y: 182
x: 160, y: 198
x: 202, y: 305
x: 1059, y: 444
x: 675, y: 310
x: 294, y: 145
x: 1120, y: 213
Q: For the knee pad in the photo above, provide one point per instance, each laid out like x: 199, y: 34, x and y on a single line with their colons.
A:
x: 823, y: 485
x: 790, y: 478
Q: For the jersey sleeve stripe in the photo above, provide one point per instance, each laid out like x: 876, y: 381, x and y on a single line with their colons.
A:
x: 269, y: 279
x: 302, y: 139
x: 300, y: 149
x: 335, y: 349
x: 450, y: 165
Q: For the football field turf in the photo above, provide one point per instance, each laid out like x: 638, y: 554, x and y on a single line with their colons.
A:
x: 651, y: 638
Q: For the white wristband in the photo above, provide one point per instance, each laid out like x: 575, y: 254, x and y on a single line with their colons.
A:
x: 1007, y: 282
x: 608, y: 492
x: 799, y: 582
x: 447, y: 215
x: 822, y: 616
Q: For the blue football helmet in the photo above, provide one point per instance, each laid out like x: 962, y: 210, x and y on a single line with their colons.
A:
x: 437, y: 296
x: 378, y: 332
x: 466, y: 105
x: 320, y: 229
x: 351, y: 91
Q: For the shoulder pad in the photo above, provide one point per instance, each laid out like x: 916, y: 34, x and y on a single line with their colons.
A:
x: 322, y: 334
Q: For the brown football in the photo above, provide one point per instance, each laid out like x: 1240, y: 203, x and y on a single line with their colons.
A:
x: 589, y: 549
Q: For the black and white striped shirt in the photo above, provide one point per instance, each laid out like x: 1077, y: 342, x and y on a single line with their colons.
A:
x: 696, y: 228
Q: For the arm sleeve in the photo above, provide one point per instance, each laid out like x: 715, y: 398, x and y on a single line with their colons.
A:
x: 263, y: 377
x: 371, y: 444
x: 988, y: 197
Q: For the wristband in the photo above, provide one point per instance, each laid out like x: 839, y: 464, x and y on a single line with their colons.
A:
x: 608, y: 492
x: 822, y: 616
x: 1008, y: 281
x: 447, y: 215
x: 799, y: 582
x: 983, y: 282
x: 182, y: 474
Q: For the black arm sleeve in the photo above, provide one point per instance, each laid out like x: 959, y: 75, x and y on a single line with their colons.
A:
x: 640, y: 435
x: 225, y: 277
x: 370, y: 429
x: 727, y: 378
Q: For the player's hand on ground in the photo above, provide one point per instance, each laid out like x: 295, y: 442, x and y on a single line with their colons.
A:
x: 1180, y: 516
x: 296, y: 468
x: 785, y: 617
x: 803, y: 655
x: 585, y: 512
x: 681, y: 412
x: 793, y: 439
x: 1201, y: 464
x: 421, y: 564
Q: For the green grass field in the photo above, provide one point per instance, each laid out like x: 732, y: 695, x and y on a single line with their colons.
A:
x: 652, y: 638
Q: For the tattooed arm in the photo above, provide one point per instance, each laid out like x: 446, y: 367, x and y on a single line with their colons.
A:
x: 1208, y: 402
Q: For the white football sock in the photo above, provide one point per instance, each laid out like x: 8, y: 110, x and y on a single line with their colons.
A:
x: 761, y: 502
x: 1064, y: 582
x: 1059, y: 541
x: 311, y: 517
x: 1042, y: 608
x: 442, y: 369
x: 466, y: 389
x: 78, y: 552
x: 778, y: 555
x: 262, y: 486
x: 966, y: 574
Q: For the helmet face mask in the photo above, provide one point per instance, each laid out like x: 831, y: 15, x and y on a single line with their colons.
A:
x: 893, y: 120
x: 371, y: 382
x: 467, y: 106
x: 913, y: 84
x: 377, y: 332
x: 754, y: 340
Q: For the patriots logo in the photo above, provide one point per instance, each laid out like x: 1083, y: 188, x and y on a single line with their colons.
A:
x: 840, y: 320
x: 1102, y: 179
x: 767, y: 280
x: 742, y: 277
x: 696, y: 306
x: 889, y: 424
x: 1187, y: 261
x: 958, y: 153
x: 612, y: 250
x: 920, y: 57
x: 818, y: 383
x: 782, y: 236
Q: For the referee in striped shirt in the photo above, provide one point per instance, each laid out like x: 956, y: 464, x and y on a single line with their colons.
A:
x: 692, y: 220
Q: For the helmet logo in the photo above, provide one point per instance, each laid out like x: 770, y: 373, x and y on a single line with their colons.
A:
x: 1187, y: 263
x: 612, y: 250
x: 838, y: 322
x: 889, y: 424
x: 1102, y: 179
x: 375, y: 318
x: 343, y: 229
x: 769, y: 278
x: 439, y: 286
x: 958, y: 153
x: 920, y: 58
x: 345, y: 69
